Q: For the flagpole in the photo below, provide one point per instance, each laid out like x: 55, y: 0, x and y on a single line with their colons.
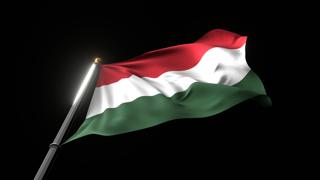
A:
x: 57, y: 141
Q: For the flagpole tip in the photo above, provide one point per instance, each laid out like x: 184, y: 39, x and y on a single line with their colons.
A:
x: 97, y: 60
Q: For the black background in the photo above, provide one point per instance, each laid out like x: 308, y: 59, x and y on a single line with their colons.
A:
x: 57, y: 44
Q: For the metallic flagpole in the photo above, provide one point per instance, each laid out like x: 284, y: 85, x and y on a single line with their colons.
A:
x: 56, y: 142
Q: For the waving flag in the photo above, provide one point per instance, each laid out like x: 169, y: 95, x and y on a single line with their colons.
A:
x: 193, y: 80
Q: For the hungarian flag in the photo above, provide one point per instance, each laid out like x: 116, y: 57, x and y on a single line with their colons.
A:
x: 193, y: 80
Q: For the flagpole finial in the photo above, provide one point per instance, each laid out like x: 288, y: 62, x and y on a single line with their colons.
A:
x: 97, y: 60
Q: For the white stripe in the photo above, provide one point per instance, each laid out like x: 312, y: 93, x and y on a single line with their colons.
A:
x: 217, y: 66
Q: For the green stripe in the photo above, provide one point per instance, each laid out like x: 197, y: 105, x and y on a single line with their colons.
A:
x: 199, y: 100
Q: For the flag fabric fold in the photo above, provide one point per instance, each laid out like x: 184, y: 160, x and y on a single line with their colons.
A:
x: 193, y: 80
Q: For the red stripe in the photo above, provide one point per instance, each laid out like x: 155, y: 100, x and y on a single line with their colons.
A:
x: 175, y: 58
